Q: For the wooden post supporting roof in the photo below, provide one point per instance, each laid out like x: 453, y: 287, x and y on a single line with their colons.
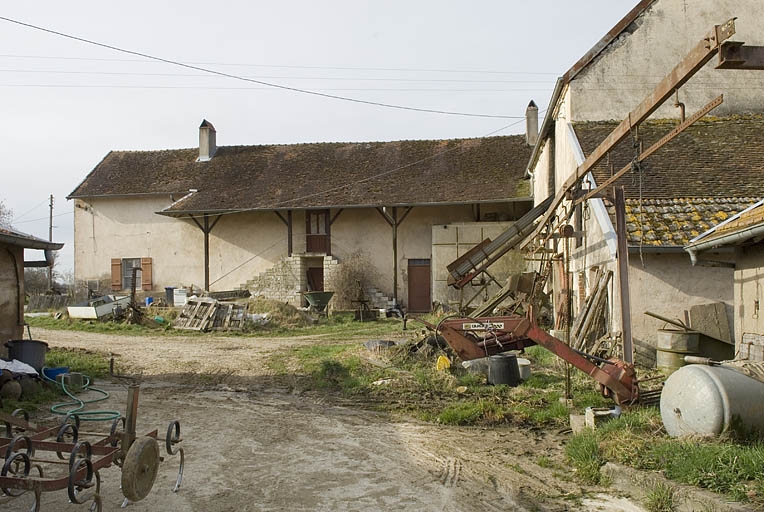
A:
x: 206, y: 228
x: 394, y: 223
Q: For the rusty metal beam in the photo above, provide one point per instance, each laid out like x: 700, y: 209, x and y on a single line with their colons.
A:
x: 735, y: 55
x: 655, y: 147
x: 682, y: 72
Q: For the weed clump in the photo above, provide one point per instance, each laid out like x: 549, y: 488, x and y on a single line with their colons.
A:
x: 280, y: 314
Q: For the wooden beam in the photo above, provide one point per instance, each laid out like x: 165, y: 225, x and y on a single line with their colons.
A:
x: 623, y: 274
x: 655, y: 147
x: 682, y: 72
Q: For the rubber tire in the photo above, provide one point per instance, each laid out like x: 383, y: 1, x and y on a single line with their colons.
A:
x: 140, y: 468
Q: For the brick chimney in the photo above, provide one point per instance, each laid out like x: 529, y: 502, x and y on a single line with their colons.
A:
x: 207, y: 145
x: 531, y: 124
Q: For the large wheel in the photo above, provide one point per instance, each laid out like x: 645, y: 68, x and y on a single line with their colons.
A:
x: 139, y: 470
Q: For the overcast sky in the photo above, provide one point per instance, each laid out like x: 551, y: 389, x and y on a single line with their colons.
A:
x: 67, y: 103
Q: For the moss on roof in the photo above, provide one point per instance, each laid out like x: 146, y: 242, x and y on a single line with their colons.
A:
x: 320, y: 175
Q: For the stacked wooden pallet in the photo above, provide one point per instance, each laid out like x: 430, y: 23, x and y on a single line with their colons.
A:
x: 204, y: 314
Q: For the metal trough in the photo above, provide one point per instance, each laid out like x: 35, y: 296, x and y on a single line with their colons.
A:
x: 318, y: 300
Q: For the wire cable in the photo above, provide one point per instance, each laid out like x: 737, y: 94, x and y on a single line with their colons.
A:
x: 281, y: 66
x: 237, y: 77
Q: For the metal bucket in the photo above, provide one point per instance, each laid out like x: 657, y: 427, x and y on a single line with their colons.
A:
x: 672, y: 345
x: 31, y: 352
x: 674, y: 340
x: 503, y: 369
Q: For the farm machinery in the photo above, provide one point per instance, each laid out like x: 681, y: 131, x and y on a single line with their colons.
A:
x: 474, y: 338
x: 40, y: 460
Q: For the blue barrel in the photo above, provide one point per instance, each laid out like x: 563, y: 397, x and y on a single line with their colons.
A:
x: 503, y: 369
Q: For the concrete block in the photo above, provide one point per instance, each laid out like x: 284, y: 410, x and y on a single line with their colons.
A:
x: 443, y: 234
x: 493, y: 230
x: 470, y: 234
x: 577, y: 423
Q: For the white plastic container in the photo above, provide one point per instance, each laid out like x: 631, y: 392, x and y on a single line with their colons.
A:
x: 179, y: 297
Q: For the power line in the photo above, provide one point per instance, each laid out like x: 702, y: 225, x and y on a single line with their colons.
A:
x: 236, y: 77
x: 280, y: 77
x: 216, y: 88
x: 31, y: 209
x: 281, y: 66
x: 44, y: 218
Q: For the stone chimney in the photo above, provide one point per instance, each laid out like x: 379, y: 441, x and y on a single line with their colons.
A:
x: 531, y: 124
x: 207, y: 145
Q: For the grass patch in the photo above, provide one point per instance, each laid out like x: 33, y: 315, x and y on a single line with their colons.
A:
x: 470, y: 413
x: 661, y: 499
x: 726, y: 466
x: 583, y: 452
x: 282, y: 324
x: 92, y: 364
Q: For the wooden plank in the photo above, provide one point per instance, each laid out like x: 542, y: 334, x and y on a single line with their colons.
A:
x: 623, y: 274
x: 711, y: 320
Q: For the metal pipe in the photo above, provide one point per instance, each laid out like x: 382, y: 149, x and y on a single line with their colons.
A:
x: 731, y: 238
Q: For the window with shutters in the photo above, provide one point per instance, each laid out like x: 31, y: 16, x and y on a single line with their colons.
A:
x: 122, y: 273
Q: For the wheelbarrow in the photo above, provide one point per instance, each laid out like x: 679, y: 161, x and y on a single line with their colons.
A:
x: 318, y: 300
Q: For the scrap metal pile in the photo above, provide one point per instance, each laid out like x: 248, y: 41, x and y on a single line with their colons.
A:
x: 39, y: 459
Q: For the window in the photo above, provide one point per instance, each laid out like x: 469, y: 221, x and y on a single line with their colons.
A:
x: 122, y: 273
x: 128, y: 264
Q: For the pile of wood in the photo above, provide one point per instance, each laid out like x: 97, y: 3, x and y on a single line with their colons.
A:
x: 590, y: 321
x: 204, y: 314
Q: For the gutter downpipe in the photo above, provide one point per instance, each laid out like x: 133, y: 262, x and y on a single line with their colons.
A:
x: 739, y: 236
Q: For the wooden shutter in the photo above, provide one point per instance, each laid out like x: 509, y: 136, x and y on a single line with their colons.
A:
x: 116, y: 274
x: 146, y: 282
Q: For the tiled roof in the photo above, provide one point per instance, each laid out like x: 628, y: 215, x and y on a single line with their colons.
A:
x: 320, y: 175
x: 738, y: 229
x: 10, y: 236
x: 746, y: 220
x: 721, y: 157
x: 707, y: 174
x: 674, y: 222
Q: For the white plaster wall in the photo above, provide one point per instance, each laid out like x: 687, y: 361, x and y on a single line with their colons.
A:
x: 244, y: 245
x: 749, y: 288
x: 668, y: 284
x: 130, y: 228
x: 627, y: 71
x: 366, y: 230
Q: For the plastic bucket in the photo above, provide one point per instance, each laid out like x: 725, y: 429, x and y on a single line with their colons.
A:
x: 503, y: 369
x: 31, y: 352
x: 53, y: 373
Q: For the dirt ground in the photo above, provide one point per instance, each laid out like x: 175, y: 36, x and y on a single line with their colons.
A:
x: 254, y: 445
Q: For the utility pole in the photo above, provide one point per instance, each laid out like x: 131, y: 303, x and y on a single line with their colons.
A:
x: 50, y: 238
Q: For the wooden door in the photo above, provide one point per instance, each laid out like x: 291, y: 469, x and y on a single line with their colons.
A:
x: 316, y: 279
x: 317, y: 231
x: 420, y: 297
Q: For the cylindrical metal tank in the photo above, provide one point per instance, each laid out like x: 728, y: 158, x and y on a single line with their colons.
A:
x: 671, y: 347
x: 709, y: 400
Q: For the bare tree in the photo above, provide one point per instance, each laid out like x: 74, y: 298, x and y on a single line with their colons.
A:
x: 6, y: 215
